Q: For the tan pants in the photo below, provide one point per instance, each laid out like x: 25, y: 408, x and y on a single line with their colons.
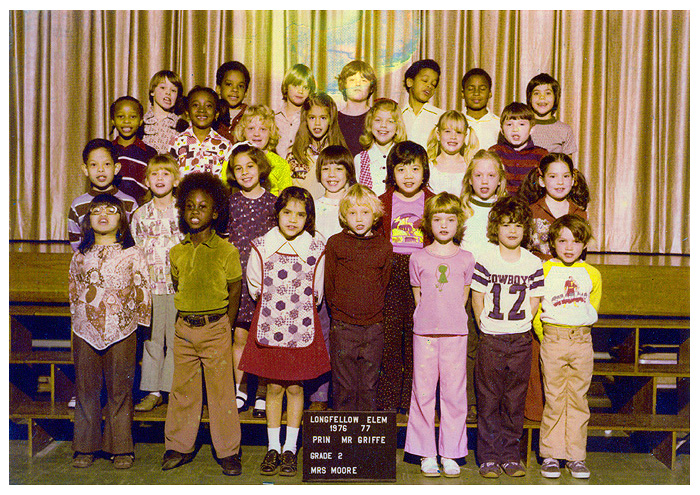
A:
x: 567, y: 367
x: 206, y: 348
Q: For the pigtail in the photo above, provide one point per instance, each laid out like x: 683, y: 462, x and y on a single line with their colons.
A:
x: 579, y: 194
x: 530, y: 189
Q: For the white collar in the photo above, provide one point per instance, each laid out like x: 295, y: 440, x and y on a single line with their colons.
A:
x: 276, y: 242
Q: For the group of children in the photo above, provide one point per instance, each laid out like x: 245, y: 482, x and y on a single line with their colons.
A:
x: 373, y: 252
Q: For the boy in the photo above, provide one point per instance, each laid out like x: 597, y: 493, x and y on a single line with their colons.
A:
x: 206, y: 273
x: 232, y: 81
x: 515, y: 147
x: 357, y: 83
x: 358, y: 265
x: 298, y: 83
x: 543, y: 93
x: 419, y: 116
x: 476, y: 90
x: 507, y: 287
x: 154, y: 228
x: 126, y: 115
x: 100, y: 166
x: 572, y: 291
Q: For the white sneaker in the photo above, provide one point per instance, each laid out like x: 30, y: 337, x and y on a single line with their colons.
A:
x: 429, y: 467
x: 71, y: 402
x: 550, y: 468
x: 450, y: 468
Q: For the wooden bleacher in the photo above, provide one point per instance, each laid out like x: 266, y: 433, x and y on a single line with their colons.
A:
x: 640, y: 292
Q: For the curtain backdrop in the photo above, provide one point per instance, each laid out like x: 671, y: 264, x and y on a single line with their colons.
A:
x: 625, y: 78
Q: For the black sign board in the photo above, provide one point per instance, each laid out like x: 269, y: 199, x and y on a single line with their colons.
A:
x: 349, y: 446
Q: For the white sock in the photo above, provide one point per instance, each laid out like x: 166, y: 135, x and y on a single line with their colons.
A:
x: 290, y: 443
x: 157, y: 394
x: 273, y: 439
x: 239, y: 393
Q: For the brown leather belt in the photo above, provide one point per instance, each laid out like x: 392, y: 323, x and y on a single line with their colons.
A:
x: 195, y: 320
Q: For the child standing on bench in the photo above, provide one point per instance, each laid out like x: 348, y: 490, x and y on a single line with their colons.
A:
x: 572, y: 290
x: 110, y: 295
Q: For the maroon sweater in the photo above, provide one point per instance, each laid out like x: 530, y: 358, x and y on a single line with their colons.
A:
x: 357, y: 273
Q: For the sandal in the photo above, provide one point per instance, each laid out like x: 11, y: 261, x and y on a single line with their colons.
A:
x: 83, y: 460
x: 123, y: 461
x: 450, y: 468
x: 429, y: 467
x: 270, y: 464
x: 288, y: 463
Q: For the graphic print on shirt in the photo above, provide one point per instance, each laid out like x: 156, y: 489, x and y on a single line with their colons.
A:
x: 571, y: 294
x: 405, y: 229
x: 441, y: 275
x: 508, y: 292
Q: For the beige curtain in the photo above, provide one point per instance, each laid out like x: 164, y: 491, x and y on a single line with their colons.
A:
x: 624, y: 75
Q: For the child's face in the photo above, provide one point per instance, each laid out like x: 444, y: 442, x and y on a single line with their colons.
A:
x: 292, y: 219
x: 318, y: 120
x: 383, y: 127
x: 484, y: 179
x: 100, y: 169
x: 334, y: 177
x: 557, y: 180
x: 476, y: 92
x: 161, y: 182
x: 510, y: 234
x: 104, y: 219
x: 127, y: 119
x: 360, y: 219
x: 257, y: 133
x: 542, y: 100
x: 297, y: 94
x: 451, y: 139
x: 199, y: 210
x: 444, y: 226
x: 246, y: 171
x: 165, y: 94
x: 408, y: 177
x: 202, y: 110
x: 567, y: 247
x: 423, y: 86
x: 232, y: 88
x: 517, y: 131
x: 357, y: 87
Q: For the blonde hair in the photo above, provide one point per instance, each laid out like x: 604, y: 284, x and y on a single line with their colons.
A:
x: 367, y: 138
x: 459, y: 122
x: 163, y: 161
x: 444, y: 202
x: 298, y: 74
x: 268, y: 119
x: 468, y: 189
x: 361, y: 195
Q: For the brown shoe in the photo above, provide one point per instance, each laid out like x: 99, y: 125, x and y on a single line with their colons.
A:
x: 149, y: 403
x: 83, y: 460
x: 288, y: 463
x: 318, y: 406
x: 123, y: 461
x: 270, y: 464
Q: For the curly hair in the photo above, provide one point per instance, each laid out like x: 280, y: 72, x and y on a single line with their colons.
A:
x: 416, y: 67
x: 210, y: 184
x: 531, y: 190
x: 509, y: 209
x: 367, y: 138
x: 267, y: 116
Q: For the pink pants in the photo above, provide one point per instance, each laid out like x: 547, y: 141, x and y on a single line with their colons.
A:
x: 440, y: 359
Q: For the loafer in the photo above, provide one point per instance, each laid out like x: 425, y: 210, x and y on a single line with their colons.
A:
x: 173, y: 459
x: 241, y: 402
x: 123, y: 461
x: 489, y: 470
x: 231, y: 465
x: 83, y: 460
x: 259, y: 408
x: 149, y: 403
x: 288, y: 463
x: 270, y: 464
x: 318, y: 405
x: 514, y: 469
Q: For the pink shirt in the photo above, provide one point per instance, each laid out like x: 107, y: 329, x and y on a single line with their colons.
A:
x: 406, y: 216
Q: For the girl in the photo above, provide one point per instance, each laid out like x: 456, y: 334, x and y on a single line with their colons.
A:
x: 109, y: 290
x: 357, y: 82
x: 543, y: 94
x: 451, y: 146
x: 320, y: 118
x: 257, y: 126
x: 251, y: 215
x: 162, y: 121
x: 336, y: 173
x: 407, y: 178
x: 441, y: 274
x: 384, y: 127
x: 297, y: 85
x: 285, y: 344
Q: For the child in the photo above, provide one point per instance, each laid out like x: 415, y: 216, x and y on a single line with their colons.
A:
x: 320, y: 117
x: 553, y: 189
x: 543, y: 96
x: 357, y: 83
x: 383, y: 129
x: 110, y: 296
x: 200, y: 148
x: 297, y: 84
x: 358, y: 265
x: 232, y: 81
x: 451, y: 146
x: 572, y: 291
x: 419, y: 116
x: 100, y: 166
x: 336, y: 173
x: 506, y: 290
x: 206, y: 274
x: 257, y: 126
x: 484, y: 182
x: 285, y: 344
x: 162, y: 120
x: 476, y: 90
x: 126, y: 116
x: 515, y: 147
x: 407, y: 178
x: 441, y: 274
x: 154, y: 227
x: 251, y: 215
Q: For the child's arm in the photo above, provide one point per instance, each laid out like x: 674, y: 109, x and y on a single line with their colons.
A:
x: 73, y: 283
x: 466, y: 295
x: 416, y: 294
x: 234, y: 299
x: 142, y: 289
x: 329, y: 272
x: 319, y: 271
x: 477, y: 306
x: 535, y: 304
x: 253, y: 274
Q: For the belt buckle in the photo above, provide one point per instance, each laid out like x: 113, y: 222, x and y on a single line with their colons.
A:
x: 196, y: 320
